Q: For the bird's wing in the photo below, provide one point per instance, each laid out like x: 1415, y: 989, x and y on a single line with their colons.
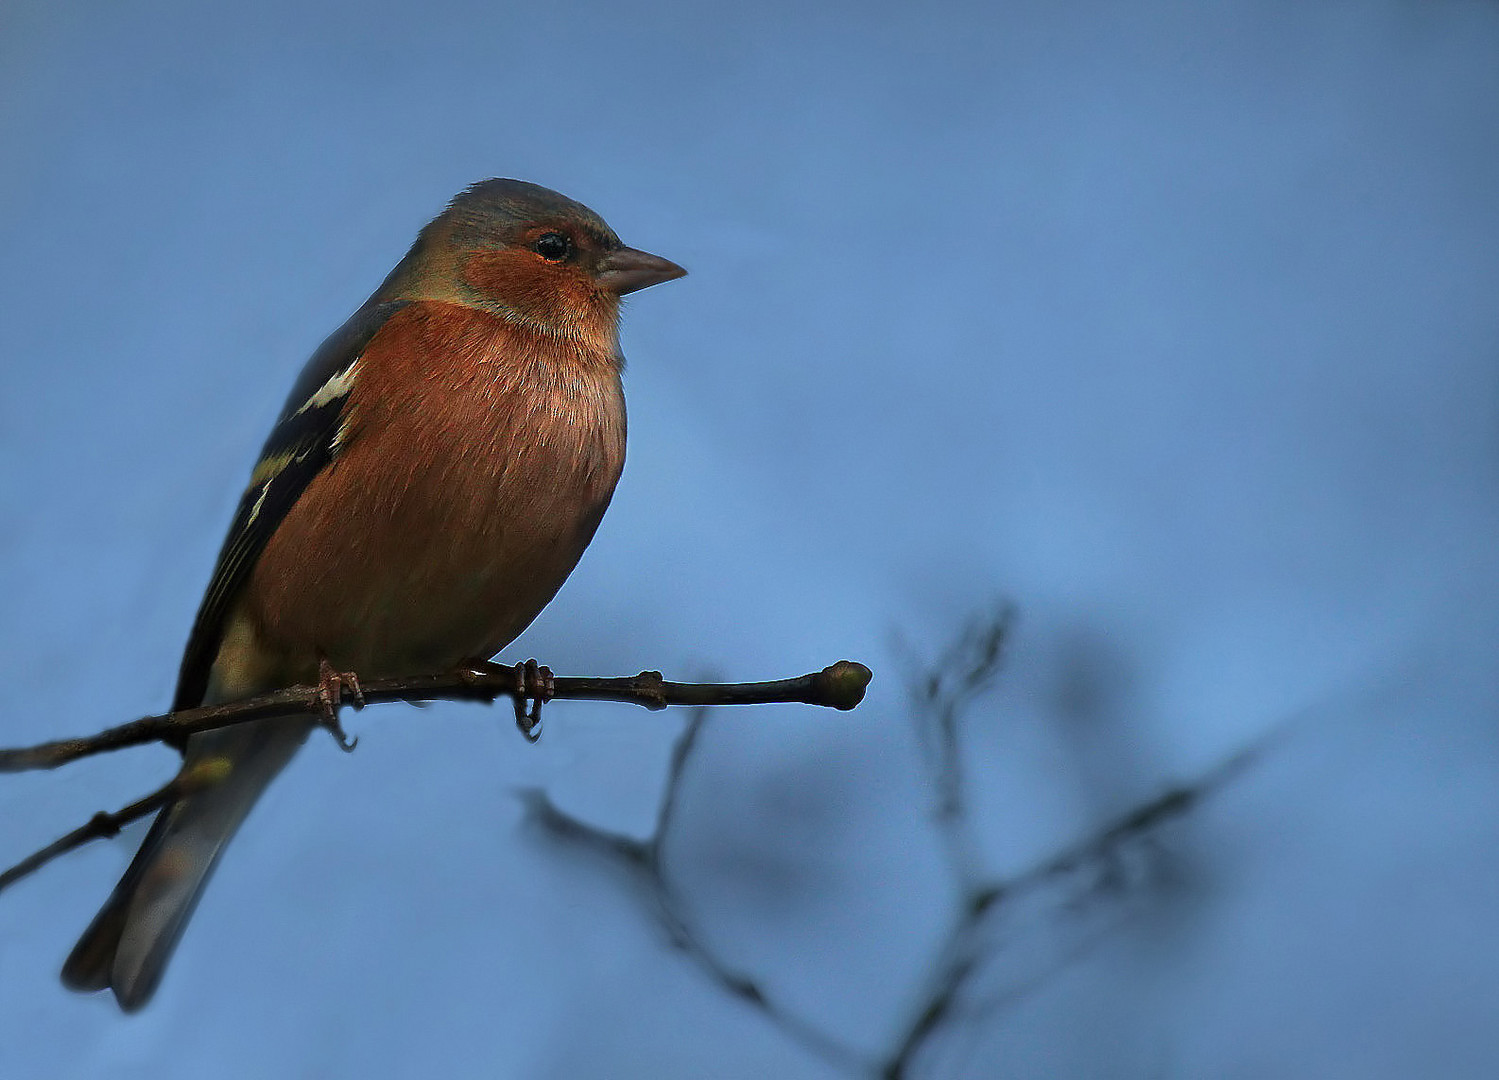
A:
x: 304, y: 441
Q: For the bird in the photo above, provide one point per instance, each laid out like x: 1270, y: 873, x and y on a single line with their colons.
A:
x: 437, y: 471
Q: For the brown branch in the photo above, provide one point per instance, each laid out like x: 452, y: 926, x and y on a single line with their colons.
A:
x: 104, y: 825
x: 838, y: 686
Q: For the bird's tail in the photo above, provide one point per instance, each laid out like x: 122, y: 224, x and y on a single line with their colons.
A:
x: 127, y: 946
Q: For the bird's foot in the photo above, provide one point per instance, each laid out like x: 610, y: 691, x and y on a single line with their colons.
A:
x: 331, y: 685
x: 531, y: 682
x: 535, y: 682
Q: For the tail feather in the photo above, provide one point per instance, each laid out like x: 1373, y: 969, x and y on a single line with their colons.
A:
x: 127, y: 946
x: 90, y: 966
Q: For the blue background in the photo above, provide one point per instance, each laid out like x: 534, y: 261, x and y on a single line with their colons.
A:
x: 1173, y: 323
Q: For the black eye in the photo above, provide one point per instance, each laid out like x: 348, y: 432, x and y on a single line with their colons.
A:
x: 553, y: 246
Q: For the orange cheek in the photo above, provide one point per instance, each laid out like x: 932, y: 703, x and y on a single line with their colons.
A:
x: 525, y: 284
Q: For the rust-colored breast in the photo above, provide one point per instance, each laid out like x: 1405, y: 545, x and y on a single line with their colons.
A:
x: 478, y: 460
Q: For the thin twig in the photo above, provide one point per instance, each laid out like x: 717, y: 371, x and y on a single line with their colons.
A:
x: 944, y: 692
x: 644, y: 866
x: 838, y: 686
x: 964, y: 951
x: 104, y: 825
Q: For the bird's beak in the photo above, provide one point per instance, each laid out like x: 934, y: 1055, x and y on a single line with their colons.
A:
x: 625, y: 270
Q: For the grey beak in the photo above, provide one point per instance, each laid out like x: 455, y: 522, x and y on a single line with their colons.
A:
x: 625, y: 270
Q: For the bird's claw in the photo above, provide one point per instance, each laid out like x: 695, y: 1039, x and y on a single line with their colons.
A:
x: 330, y: 690
x: 535, y: 682
x: 530, y: 682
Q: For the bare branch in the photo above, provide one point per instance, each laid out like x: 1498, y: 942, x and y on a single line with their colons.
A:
x: 955, y: 680
x: 942, y: 691
x: 1082, y: 870
x: 838, y: 686
x: 643, y: 867
x: 1081, y: 891
x: 104, y: 825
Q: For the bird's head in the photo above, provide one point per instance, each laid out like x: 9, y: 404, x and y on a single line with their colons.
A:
x: 529, y: 254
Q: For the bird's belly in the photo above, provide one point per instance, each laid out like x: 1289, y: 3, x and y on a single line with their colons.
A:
x: 468, y: 596
x: 418, y: 574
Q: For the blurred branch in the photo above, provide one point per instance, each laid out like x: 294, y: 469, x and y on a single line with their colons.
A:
x: 1094, y: 866
x: 838, y: 686
x: 642, y: 864
x: 1059, y: 886
x: 942, y: 690
x: 1088, y: 868
x: 964, y: 672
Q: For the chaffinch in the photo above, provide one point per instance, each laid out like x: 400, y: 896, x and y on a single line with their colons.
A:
x: 438, y: 469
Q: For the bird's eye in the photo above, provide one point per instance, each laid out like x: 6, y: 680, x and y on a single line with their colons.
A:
x: 553, y: 246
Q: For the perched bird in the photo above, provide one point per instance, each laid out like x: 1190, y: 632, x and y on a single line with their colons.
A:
x: 441, y: 464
